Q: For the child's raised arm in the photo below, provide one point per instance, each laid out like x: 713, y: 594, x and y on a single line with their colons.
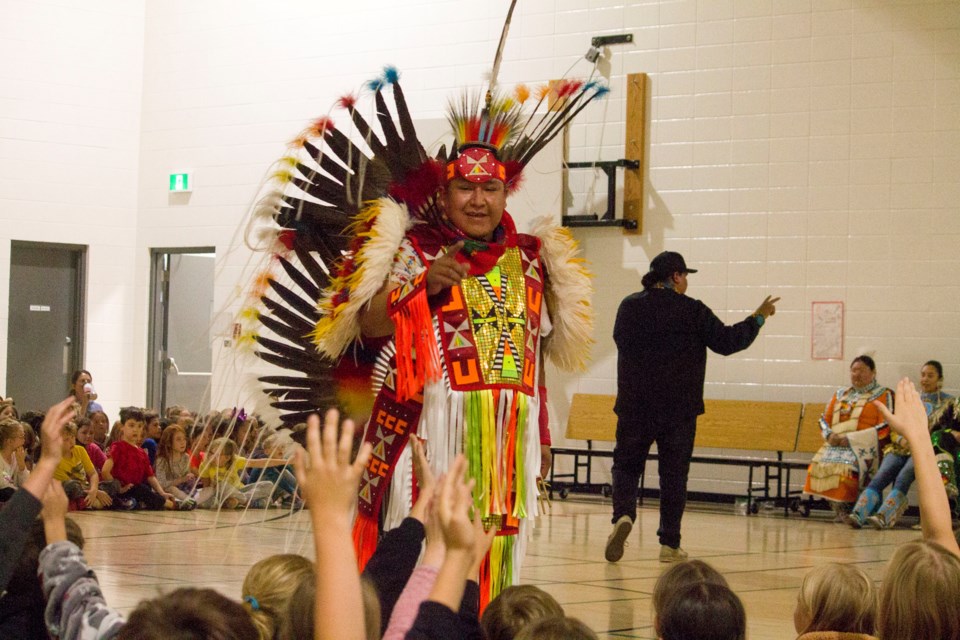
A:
x: 51, y: 447
x: 329, y: 482
x: 910, y: 420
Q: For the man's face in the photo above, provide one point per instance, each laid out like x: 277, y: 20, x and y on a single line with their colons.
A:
x: 860, y: 374
x: 475, y: 208
x: 680, y: 282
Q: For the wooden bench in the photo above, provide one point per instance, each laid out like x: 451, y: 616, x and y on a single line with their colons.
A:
x: 747, y: 426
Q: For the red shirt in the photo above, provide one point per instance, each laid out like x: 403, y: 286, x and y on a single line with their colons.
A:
x: 130, y: 464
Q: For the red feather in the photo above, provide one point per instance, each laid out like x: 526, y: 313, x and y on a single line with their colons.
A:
x: 347, y: 102
x: 419, y: 185
x: 514, y: 171
x: 321, y: 125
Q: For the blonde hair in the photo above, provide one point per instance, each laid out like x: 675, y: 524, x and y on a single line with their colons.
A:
x: 8, y: 430
x: 268, y: 587
x: 919, y: 595
x: 70, y: 429
x: 837, y: 597
x: 298, y: 623
x: 515, y: 608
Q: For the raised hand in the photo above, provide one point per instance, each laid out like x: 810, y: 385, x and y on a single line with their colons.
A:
x: 768, y: 307
x: 51, y: 431
x: 426, y: 482
x: 454, y: 502
x: 445, y: 271
x: 909, y: 418
x: 328, y: 479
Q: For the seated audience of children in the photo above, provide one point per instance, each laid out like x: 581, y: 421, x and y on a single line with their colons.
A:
x: 400, y: 594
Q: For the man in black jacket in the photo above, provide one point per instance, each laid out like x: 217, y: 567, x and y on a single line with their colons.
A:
x: 662, y: 339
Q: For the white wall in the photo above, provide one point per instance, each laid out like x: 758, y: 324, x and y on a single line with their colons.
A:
x: 70, y: 88
x: 809, y: 149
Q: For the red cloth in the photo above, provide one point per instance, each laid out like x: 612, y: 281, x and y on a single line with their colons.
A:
x: 97, y: 457
x: 544, y: 418
x: 130, y: 464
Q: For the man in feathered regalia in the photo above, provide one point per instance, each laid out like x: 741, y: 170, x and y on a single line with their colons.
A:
x: 427, y: 289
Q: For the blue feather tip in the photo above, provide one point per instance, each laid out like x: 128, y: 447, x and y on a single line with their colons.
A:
x: 390, y: 74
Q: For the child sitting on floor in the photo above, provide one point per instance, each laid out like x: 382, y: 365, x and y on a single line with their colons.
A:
x: 173, y: 465
x: 80, y: 479
x: 85, y: 439
x: 129, y: 466
x: 13, y: 458
x: 221, y: 471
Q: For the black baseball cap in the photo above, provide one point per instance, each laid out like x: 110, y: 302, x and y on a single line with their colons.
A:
x: 668, y: 263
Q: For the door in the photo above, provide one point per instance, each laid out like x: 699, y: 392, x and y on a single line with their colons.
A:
x: 45, y: 332
x: 181, y: 357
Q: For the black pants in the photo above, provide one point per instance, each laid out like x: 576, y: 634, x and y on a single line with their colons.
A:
x: 145, y: 496
x: 674, y: 440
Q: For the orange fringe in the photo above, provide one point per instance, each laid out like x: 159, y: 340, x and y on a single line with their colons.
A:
x: 418, y: 357
x: 365, y: 534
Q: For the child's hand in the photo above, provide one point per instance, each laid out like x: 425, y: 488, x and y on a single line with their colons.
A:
x: 435, y: 548
x: 51, y: 432
x: 482, y: 543
x: 425, y: 479
x: 21, y: 454
x: 55, y: 502
x: 454, y: 502
x: 327, y: 478
x: 126, y: 487
x: 909, y: 419
x: 91, y: 498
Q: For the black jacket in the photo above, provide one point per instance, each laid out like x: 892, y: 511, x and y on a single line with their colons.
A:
x: 662, y: 340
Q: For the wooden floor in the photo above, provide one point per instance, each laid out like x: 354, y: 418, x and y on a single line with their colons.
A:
x: 764, y: 557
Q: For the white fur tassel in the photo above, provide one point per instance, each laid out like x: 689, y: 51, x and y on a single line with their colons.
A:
x: 375, y: 257
x: 569, y: 297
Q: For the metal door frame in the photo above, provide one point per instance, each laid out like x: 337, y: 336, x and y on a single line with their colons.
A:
x: 78, y: 346
x: 157, y: 345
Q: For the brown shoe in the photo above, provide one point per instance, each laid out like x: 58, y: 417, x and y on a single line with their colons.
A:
x: 618, y: 539
x: 669, y: 554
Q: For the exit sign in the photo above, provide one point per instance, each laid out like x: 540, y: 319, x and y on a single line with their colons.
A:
x: 180, y: 182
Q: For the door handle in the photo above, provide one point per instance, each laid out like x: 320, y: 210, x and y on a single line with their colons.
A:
x: 171, y: 365
x: 66, y: 355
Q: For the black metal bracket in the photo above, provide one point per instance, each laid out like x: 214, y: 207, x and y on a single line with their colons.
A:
x: 603, y: 41
x: 609, y: 219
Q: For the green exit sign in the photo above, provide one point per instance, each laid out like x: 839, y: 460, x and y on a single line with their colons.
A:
x: 180, y: 182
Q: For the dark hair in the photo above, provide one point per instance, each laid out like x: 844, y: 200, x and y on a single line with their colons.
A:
x: 515, y: 608
x: 34, y: 419
x: 188, y: 614
x: 131, y: 413
x: 936, y: 365
x: 76, y: 376
x: 683, y: 574
x: 560, y: 628
x: 704, y: 611
x: 652, y: 278
x: 866, y: 360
